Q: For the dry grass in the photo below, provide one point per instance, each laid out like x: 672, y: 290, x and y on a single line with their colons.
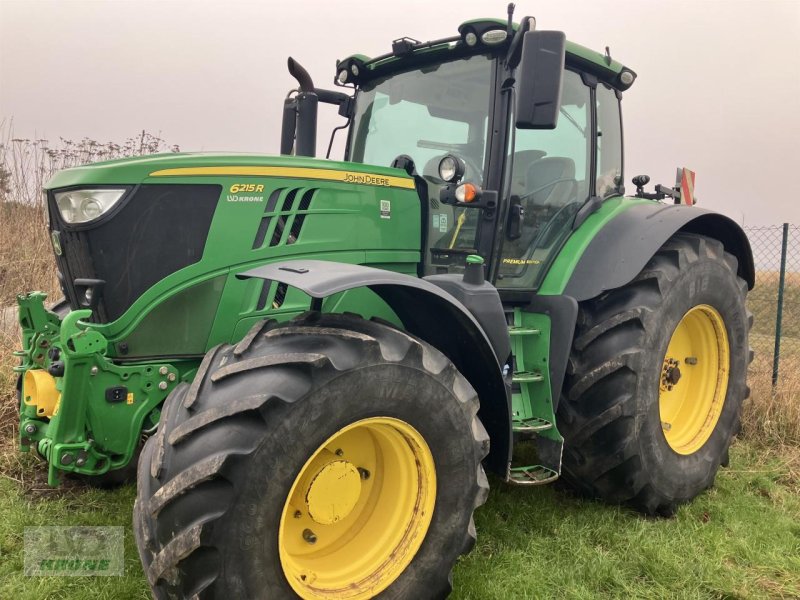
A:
x: 26, y: 255
x: 26, y: 263
x: 773, y: 416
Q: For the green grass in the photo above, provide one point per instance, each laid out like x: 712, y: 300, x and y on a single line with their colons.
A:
x: 739, y: 540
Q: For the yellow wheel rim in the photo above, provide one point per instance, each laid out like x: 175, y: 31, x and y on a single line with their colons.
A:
x: 694, y: 379
x: 358, y: 511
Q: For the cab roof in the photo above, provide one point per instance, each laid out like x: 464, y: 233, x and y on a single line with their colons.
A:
x: 408, y: 53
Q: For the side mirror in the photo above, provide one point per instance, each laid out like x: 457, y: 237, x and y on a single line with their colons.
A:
x: 541, y: 71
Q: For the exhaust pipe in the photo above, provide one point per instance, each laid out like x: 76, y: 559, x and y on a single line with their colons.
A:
x: 299, y: 128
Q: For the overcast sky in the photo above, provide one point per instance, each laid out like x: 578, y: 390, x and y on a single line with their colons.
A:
x: 718, y: 88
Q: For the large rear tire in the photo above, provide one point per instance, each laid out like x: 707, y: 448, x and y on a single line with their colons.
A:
x: 656, y: 379
x: 329, y: 457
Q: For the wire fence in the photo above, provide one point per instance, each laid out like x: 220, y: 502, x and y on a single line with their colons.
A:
x: 775, y: 300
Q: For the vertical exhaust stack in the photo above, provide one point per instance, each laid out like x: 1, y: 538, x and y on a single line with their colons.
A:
x: 299, y: 130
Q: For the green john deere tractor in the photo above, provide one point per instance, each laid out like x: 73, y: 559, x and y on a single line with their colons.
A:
x: 315, y: 360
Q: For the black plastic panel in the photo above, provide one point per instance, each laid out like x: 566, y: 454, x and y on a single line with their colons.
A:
x: 160, y: 230
x: 624, y: 246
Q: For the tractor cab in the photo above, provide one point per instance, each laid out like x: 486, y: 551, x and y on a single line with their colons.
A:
x: 512, y: 135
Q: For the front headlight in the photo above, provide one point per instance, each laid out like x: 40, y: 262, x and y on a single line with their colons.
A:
x: 82, y: 206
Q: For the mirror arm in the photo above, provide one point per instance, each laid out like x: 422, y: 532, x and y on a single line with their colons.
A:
x: 514, y: 53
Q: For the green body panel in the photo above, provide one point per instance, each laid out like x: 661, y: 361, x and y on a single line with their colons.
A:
x: 344, y: 224
x: 560, y: 271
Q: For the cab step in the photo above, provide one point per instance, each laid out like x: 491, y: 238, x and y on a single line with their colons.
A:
x: 527, y: 377
x: 532, y: 475
x: 530, y: 425
x: 514, y: 330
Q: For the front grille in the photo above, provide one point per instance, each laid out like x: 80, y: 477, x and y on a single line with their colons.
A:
x: 159, y: 230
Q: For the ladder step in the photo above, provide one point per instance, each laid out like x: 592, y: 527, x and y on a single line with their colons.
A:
x: 514, y: 330
x: 532, y: 424
x: 527, y: 377
x: 532, y: 475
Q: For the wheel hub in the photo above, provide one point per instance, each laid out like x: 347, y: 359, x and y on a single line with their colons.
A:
x: 334, y: 492
x: 671, y: 374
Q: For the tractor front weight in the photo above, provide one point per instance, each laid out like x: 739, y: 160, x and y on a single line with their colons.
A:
x: 81, y: 412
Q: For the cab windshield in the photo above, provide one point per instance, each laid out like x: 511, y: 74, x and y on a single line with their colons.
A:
x: 427, y: 113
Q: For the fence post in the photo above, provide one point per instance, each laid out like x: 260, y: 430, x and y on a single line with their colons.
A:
x: 776, y: 356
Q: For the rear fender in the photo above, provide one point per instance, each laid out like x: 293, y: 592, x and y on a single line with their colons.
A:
x: 618, y: 253
x: 429, y: 313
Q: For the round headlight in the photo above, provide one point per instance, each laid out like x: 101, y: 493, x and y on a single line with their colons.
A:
x: 626, y: 77
x: 88, y: 295
x: 471, y: 39
x: 91, y: 208
x: 342, y: 77
x: 450, y: 169
x: 354, y: 69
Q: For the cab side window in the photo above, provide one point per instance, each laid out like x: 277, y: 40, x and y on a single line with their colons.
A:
x: 550, y: 181
x: 609, y: 142
x: 552, y: 166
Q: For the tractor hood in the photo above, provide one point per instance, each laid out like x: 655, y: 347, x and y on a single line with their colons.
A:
x: 164, y: 168
x: 127, y: 234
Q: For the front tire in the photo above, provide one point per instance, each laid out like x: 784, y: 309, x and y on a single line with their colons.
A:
x: 657, y: 378
x: 329, y: 457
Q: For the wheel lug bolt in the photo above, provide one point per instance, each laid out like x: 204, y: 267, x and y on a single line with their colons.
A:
x: 364, y: 473
x: 690, y: 360
x: 309, y: 536
x: 666, y: 426
x: 339, y: 452
x: 297, y: 514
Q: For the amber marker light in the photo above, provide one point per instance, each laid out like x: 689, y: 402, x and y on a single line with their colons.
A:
x: 467, y: 192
